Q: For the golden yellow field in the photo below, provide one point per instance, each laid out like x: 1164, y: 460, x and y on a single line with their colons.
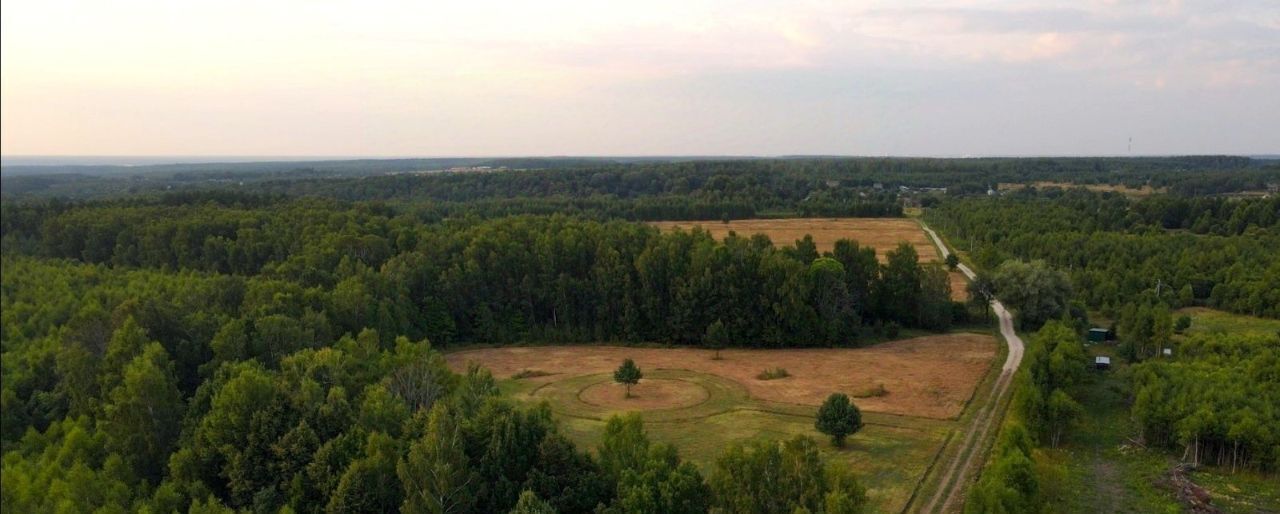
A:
x: 883, y: 234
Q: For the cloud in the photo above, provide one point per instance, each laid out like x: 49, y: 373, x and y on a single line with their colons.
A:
x: 519, y: 77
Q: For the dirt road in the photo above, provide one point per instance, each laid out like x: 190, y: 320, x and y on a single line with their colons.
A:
x: 967, y: 460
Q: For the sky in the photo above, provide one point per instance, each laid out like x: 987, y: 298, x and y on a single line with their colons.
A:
x: 654, y: 77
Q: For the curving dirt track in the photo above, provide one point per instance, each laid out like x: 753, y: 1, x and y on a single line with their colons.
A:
x: 967, y: 460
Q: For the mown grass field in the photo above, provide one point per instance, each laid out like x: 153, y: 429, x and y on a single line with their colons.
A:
x: 722, y: 401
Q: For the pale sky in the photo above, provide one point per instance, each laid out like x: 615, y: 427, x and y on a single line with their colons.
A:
x: 685, y: 77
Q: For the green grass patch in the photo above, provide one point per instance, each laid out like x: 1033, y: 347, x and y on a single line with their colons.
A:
x: 1210, y: 321
x: 890, y: 454
x: 1241, y: 491
x: 889, y: 460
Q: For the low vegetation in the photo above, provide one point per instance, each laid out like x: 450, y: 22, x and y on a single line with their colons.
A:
x: 529, y: 373
x: 773, y: 374
x: 710, y: 405
x: 871, y: 392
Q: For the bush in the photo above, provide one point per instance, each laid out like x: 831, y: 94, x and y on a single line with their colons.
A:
x: 872, y: 392
x: 773, y: 373
x: 1183, y: 323
x: 529, y: 373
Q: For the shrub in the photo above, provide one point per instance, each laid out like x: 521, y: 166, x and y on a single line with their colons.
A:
x: 773, y: 373
x: 1183, y: 323
x: 872, y: 392
x: 529, y: 373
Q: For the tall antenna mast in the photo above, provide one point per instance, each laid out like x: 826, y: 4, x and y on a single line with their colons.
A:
x: 1130, y: 145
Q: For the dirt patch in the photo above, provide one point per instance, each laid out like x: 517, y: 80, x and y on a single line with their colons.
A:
x: 958, y: 285
x: 649, y: 394
x: 883, y: 234
x: 1193, y: 497
x: 929, y: 376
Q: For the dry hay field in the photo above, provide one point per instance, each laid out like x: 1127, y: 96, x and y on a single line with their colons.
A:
x: 931, y: 376
x: 883, y: 234
x: 701, y: 404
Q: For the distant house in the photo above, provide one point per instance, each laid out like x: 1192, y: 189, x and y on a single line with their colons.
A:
x: 1167, y: 352
x: 1101, y: 362
x: 1099, y: 335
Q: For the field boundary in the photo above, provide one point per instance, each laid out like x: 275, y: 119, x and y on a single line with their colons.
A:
x: 951, y: 484
x: 928, y: 471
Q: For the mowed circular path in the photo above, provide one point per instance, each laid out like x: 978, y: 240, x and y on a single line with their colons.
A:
x: 931, y: 376
x: 663, y: 395
x: 649, y: 394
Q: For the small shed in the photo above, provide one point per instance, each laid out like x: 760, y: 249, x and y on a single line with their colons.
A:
x: 1099, y: 335
x: 1101, y: 362
x: 1167, y: 352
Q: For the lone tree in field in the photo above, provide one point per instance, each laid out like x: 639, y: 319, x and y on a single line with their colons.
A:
x: 716, y: 338
x: 838, y: 418
x: 628, y: 374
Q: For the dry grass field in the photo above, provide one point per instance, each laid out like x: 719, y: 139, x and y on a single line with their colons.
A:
x: 883, y: 234
x: 702, y: 405
x: 930, y: 376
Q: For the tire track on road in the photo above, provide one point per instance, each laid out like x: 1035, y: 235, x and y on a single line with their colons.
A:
x: 953, y: 482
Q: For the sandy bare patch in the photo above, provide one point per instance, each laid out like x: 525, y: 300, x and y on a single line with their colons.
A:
x: 649, y: 394
x: 929, y: 376
x: 958, y: 285
x: 883, y: 234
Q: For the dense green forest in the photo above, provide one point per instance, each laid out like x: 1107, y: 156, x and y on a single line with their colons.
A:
x: 1172, y: 250
x: 757, y: 184
x: 1216, y: 402
x: 1132, y: 261
x: 271, y: 347
x: 278, y: 340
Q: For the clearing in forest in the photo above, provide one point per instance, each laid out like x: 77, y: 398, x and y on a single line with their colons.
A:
x: 883, y: 234
x: 931, y: 376
x: 911, y: 393
x: 1209, y: 321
